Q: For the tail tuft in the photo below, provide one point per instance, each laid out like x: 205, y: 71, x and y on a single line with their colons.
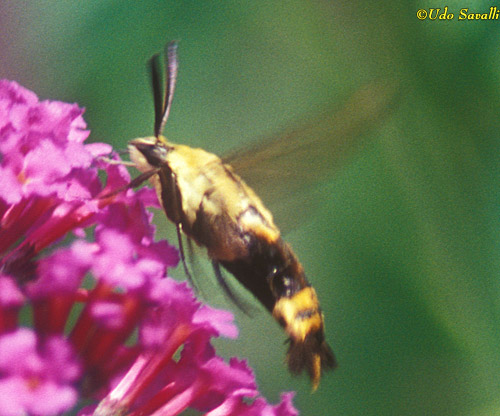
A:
x: 312, y: 354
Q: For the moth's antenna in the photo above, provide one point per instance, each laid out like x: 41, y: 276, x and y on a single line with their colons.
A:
x: 156, y: 84
x: 171, y: 65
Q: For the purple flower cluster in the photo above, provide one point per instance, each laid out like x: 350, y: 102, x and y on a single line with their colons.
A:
x: 106, y: 324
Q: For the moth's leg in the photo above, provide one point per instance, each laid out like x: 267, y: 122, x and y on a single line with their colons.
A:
x: 237, y: 300
x: 134, y: 183
x: 176, y: 216
x: 195, y: 266
x: 178, y: 227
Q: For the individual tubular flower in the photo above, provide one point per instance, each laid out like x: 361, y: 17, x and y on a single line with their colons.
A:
x: 36, y: 379
x: 11, y: 301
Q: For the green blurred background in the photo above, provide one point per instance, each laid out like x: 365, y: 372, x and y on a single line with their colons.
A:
x: 404, y: 245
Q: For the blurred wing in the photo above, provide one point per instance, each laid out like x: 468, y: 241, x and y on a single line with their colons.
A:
x: 283, y: 170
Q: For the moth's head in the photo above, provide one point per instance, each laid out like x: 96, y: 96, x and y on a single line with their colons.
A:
x: 148, y: 152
